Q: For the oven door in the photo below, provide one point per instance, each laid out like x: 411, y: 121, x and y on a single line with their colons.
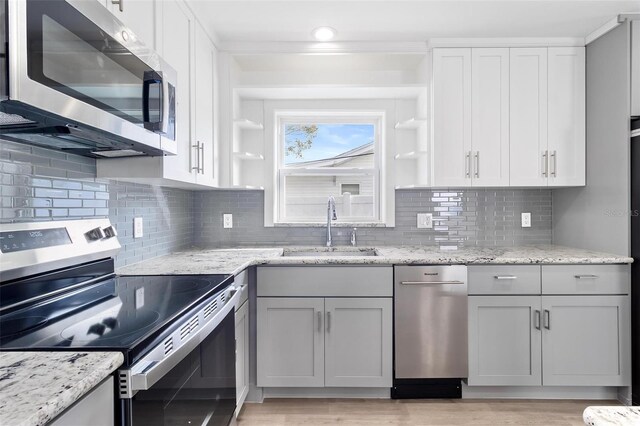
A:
x: 199, y: 389
x: 73, y: 57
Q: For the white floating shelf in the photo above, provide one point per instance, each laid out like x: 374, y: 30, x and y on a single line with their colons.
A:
x: 244, y: 123
x: 248, y: 156
x: 248, y: 187
x: 412, y: 123
x: 410, y: 155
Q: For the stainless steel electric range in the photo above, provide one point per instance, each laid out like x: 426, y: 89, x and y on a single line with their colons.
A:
x: 59, y: 292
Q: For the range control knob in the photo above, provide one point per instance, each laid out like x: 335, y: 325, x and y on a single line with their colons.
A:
x: 110, y: 232
x: 95, y: 234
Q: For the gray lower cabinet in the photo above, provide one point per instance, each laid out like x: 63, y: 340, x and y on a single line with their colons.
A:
x: 324, y: 342
x: 242, y: 355
x: 585, y: 341
x: 96, y: 408
x: 358, y: 342
x: 290, y: 342
x: 504, y: 341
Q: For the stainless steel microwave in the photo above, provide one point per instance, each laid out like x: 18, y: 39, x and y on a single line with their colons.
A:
x: 75, y: 78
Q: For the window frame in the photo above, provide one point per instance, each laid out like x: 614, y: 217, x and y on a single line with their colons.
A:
x: 376, y: 118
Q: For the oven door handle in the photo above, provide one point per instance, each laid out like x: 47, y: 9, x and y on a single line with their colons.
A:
x: 146, y: 373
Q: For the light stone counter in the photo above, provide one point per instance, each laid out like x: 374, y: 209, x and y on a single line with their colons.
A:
x: 612, y: 416
x: 35, y: 387
x: 233, y: 261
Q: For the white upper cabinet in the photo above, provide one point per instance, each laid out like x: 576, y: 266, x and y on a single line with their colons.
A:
x: 490, y: 117
x: 205, y: 137
x: 139, y: 16
x: 175, y: 46
x: 566, y: 116
x: 528, y: 117
x: 451, y: 117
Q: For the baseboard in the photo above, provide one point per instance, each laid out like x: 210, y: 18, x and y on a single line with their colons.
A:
x: 624, y: 395
x: 374, y: 393
x: 539, y: 392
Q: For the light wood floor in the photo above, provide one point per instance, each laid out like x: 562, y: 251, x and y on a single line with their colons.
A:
x: 363, y: 412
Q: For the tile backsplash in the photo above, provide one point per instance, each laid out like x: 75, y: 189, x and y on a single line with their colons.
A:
x: 39, y: 184
x: 461, y: 217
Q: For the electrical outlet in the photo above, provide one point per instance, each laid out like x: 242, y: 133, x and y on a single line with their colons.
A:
x: 137, y: 227
x: 425, y: 220
x: 526, y: 220
x: 139, y: 297
x: 227, y: 220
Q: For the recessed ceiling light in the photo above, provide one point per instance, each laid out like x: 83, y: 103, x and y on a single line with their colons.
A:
x: 324, y: 33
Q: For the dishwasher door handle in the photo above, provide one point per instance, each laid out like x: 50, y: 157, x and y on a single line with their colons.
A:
x: 430, y: 282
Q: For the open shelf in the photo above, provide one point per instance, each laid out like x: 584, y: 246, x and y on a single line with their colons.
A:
x: 412, y: 123
x: 410, y: 186
x: 248, y: 156
x: 412, y: 155
x: 245, y: 123
x: 261, y: 188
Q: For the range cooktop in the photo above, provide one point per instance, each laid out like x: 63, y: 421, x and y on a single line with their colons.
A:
x: 116, y: 313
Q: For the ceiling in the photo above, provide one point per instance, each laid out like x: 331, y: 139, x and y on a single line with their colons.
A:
x: 403, y: 20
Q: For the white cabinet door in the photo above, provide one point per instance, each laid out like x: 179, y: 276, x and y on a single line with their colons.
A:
x: 566, y: 112
x: 586, y: 340
x: 451, y: 159
x: 175, y: 43
x: 242, y: 355
x: 139, y: 16
x: 504, y: 341
x: 205, y: 66
x: 490, y: 117
x: 358, y: 342
x: 528, y: 117
x: 290, y: 342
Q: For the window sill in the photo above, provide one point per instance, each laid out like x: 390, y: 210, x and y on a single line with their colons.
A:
x: 333, y: 225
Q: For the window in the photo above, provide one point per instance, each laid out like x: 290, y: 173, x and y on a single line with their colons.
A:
x: 332, y: 155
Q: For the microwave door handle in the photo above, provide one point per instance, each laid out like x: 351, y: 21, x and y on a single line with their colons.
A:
x: 166, y: 105
x: 149, y: 372
x: 151, y: 77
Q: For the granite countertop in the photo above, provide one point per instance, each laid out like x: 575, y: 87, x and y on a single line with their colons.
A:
x: 233, y: 261
x: 35, y: 387
x: 610, y: 416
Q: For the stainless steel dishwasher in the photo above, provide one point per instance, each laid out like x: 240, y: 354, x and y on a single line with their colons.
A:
x: 430, y: 339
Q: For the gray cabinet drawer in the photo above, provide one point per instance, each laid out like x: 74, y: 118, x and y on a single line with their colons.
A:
x: 325, y: 281
x: 586, y: 279
x: 504, y: 279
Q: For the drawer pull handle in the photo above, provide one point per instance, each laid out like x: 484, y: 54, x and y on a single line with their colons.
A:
x: 586, y: 277
x: 505, y: 277
x: 537, y: 320
x: 547, y: 319
x: 430, y: 282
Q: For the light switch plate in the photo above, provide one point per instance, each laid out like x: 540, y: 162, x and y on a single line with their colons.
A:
x: 139, y: 297
x: 425, y: 220
x: 526, y: 220
x: 137, y: 227
x: 227, y: 220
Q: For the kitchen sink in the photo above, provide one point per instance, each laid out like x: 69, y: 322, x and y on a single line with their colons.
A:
x: 329, y: 252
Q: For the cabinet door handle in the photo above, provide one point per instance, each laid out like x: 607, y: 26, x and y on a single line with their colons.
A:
x: 467, y: 164
x: 328, y: 321
x: 554, y: 163
x: 319, y: 322
x: 477, y: 165
x: 197, y: 162
x: 536, y: 320
x: 201, y: 157
x: 120, y: 4
x: 586, y: 277
x: 547, y: 319
x: 505, y: 277
x: 545, y: 164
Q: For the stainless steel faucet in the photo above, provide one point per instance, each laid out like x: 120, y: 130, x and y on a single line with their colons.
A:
x: 331, y: 215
